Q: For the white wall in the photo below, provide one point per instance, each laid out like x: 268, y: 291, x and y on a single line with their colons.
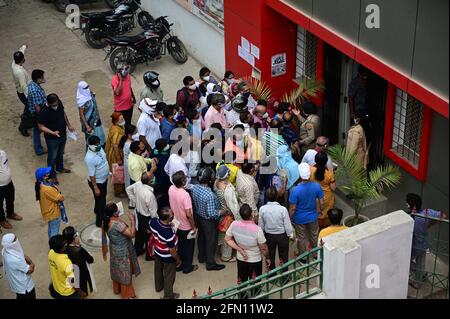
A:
x: 385, y: 242
x: 203, y: 41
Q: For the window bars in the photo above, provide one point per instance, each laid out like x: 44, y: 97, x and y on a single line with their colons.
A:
x: 306, y: 54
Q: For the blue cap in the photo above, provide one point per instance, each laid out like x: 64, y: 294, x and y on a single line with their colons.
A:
x: 41, y: 172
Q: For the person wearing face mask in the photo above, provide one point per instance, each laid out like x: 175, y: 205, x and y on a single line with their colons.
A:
x: 244, y: 90
x: 123, y: 93
x: 98, y: 172
x: 91, y: 123
x: 113, y: 152
x: 168, y: 123
x: 189, y: 93
x: 81, y: 258
x: 310, y: 126
x: 137, y: 164
x: 49, y: 197
x: 152, y: 89
x: 260, y: 114
x: 227, y: 80
x: 53, y: 122
x: 36, y: 101
x: 205, y: 76
x: 148, y: 124
x: 215, y: 113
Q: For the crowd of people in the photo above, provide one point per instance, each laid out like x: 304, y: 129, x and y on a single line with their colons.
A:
x: 238, y: 175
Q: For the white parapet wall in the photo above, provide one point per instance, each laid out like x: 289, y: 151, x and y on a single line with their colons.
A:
x: 205, y: 43
x: 369, y: 261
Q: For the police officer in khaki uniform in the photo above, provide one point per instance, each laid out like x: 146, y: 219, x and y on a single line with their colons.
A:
x: 310, y: 125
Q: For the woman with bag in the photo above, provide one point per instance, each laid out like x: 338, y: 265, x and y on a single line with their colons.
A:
x: 226, y: 193
x: 80, y: 257
x: 50, y: 200
x: 115, y: 154
x: 91, y: 123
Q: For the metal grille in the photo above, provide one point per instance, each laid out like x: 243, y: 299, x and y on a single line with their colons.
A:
x: 306, y: 54
x: 407, y: 127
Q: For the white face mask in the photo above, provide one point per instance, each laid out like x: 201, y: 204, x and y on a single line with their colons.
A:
x: 166, y: 148
x: 193, y: 87
x: 155, y: 83
x: 207, y: 78
x: 54, y: 108
x: 266, y: 115
x: 122, y: 123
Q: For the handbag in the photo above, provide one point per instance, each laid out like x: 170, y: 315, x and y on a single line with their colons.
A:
x: 118, y: 174
x: 150, y: 245
x: 225, y: 223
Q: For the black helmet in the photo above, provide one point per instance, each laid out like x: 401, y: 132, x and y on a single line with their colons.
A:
x: 150, y: 77
x: 205, y: 175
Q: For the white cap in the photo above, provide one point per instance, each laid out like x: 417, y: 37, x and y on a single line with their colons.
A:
x: 148, y: 105
x: 305, y: 171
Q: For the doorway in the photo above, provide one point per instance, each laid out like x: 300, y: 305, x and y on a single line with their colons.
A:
x: 340, y: 70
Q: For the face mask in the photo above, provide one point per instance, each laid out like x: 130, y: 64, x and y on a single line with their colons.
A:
x: 207, y: 78
x: 230, y: 81
x: 54, y: 108
x: 166, y: 148
x: 95, y: 148
x: 193, y: 87
x: 247, y: 95
x: 266, y: 115
x: 124, y: 73
x: 43, y: 81
x: 122, y: 123
x: 156, y: 83
x: 176, y: 115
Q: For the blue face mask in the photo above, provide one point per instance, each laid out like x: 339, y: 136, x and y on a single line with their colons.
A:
x: 247, y: 95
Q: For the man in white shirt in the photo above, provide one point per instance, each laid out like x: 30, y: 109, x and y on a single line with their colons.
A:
x: 321, y: 146
x: 148, y: 125
x: 177, y: 163
x: 18, y: 268
x: 146, y: 209
x: 21, y: 80
x: 7, y: 193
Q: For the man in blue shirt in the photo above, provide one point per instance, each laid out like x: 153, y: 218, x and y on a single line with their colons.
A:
x: 168, y: 123
x: 208, y: 213
x: 98, y: 172
x: 36, y: 101
x: 420, y: 236
x: 303, y: 207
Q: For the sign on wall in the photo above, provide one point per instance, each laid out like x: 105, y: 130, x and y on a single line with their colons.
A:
x: 210, y: 11
x: 278, y: 64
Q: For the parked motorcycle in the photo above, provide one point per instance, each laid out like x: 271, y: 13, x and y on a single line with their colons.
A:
x: 147, y: 46
x: 96, y: 26
x: 62, y: 4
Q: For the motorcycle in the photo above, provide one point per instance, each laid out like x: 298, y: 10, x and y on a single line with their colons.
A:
x: 96, y: 26
x: 149, y: 45
x: 62, y: 4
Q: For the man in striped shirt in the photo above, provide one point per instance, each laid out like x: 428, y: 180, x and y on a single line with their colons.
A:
x: 272, y: 139
x: 166, y: 256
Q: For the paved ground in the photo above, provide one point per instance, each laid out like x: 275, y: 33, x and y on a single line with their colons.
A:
x: 67, y: 59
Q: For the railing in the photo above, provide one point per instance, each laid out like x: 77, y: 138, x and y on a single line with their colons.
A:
x: 299, y: 278
x: 429, y: 277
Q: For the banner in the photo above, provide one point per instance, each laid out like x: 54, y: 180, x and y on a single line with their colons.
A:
x: 210, y: 11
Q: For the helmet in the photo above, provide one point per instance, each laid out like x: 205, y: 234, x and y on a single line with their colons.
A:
x: 150, y: 77
x: 239, y: 104
x: 205, y: 175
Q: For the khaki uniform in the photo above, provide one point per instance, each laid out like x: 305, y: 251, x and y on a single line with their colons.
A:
x: 309, y: 132
x: 356, y: 143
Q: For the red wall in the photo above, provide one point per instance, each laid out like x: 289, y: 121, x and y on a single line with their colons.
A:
x: 268, y: 30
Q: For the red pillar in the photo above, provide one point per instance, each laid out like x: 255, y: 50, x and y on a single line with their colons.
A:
x: 271, y: 32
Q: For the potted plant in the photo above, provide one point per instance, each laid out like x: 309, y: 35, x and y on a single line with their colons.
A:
x: 359, y: 184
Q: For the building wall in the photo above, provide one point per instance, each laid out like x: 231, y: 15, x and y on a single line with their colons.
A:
x: 412, y: 37
x: 203, y: 41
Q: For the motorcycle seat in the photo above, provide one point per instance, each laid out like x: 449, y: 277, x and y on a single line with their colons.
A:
x: 129, y: 39
x: 102, y: 14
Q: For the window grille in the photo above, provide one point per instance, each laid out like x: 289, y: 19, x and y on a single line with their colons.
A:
x: 407, y: 130
x: 306, y: 54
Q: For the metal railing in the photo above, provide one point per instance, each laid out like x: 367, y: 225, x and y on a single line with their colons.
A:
x: 299, y: 278
x: 429, y: 276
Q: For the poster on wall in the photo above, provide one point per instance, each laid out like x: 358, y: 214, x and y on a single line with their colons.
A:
x: 278, y: 64
x: 210, y: 11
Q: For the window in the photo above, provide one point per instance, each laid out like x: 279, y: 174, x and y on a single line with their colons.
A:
x: 306, y: 54
x: 408, y: 119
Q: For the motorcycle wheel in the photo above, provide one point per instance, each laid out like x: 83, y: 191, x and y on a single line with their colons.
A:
x: 145, y: 19
x: 111, y: 3
x: 119, y: 55
x: 178, y: 50
x: 61, y: 5
x: 94, y: 43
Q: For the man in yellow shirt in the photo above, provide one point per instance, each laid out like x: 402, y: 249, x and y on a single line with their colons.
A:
x: 137, y: 164
x: 335, y: 216
x: 64, y: 285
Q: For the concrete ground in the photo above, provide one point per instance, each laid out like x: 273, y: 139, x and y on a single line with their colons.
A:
x: 65, y: 57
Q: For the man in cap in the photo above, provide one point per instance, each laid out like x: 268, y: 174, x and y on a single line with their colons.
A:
x: 152, y: 88
x: 148, y: 124
x: 238, y: 106
x: 303, y: 209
